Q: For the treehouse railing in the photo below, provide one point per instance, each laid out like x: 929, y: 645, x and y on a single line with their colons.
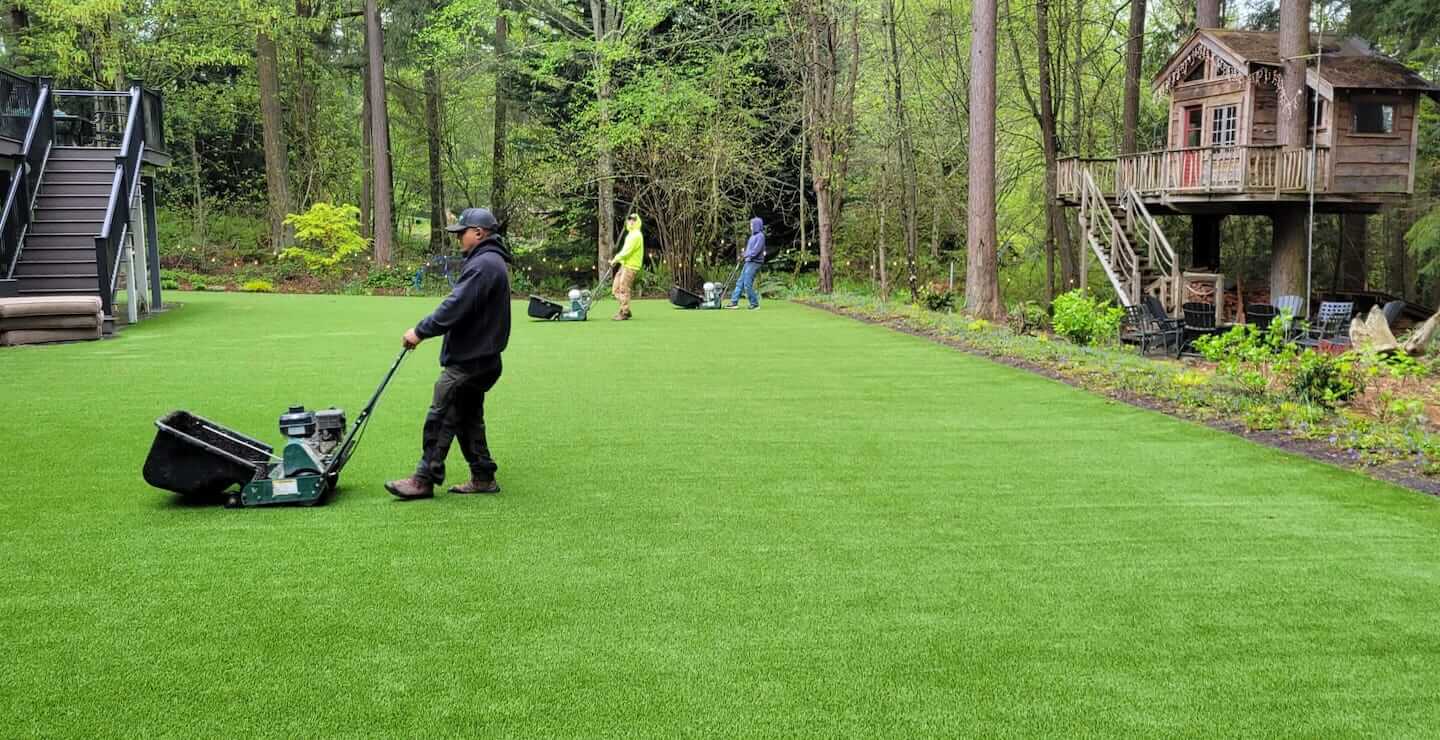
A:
x: 1199, y: 170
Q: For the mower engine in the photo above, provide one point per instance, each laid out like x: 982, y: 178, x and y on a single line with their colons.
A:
x: 312, y: 441
x: 580, y: 301
x: 714, y: 296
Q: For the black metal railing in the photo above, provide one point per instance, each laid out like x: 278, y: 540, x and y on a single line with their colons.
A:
x: 85, y: 118
x: 20, y: 196
x: 18, y: 96
x: 110, y: 244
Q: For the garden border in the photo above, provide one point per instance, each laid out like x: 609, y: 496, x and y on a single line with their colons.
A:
x: 1406, y: 475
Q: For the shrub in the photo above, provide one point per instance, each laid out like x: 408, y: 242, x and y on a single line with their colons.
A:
x: 169, y: 284
x: 1027, y: 317
x: 1086, y: 321
x: 257, y: 286
x: 938, y: 300
x: 328, y: 236
x: 1325, y: 379
x: 391, y: 278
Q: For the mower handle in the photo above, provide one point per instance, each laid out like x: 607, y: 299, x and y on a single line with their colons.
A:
x: 348, y: 446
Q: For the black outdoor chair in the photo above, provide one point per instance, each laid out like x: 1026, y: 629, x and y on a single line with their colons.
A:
x: 1199, y: 322
x: 1172, y: 331
x: 1260, y: 315
x: 1330, y: 325
x: 1139, y: 329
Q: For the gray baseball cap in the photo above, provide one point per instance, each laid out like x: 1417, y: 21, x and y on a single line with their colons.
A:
x: 472, y: 218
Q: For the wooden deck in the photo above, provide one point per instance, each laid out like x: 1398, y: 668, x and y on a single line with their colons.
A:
x: 1246, y: 173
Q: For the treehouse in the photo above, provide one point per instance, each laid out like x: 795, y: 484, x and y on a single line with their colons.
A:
x: 1222, y: 157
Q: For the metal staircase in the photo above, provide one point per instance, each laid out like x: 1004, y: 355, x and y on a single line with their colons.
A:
x: 1132, y: 250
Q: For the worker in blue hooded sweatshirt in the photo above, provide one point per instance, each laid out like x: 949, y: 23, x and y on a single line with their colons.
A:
x: 754, y: 257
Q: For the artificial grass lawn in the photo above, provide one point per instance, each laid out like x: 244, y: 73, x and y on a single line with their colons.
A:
x: 713, y: 523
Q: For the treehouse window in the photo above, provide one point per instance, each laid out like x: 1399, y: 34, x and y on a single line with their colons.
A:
x: 1374, y: 118
x: 1224, y: 123
x: 1198, y: 73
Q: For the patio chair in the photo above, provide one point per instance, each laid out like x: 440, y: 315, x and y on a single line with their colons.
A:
x: 1330, y: 325
x: 1260, y: 315
x: 1294, y: 305
x: 1199, y: 322
x: 1171, y: 330
x: 1138, y: 328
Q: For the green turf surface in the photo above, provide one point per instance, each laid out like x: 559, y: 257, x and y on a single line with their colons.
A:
x: 742, y: 523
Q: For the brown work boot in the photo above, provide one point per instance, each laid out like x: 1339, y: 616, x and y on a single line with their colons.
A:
x: 409, y: 489
x: 475, y: 485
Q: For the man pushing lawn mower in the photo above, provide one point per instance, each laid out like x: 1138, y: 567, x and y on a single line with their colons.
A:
x: 629, y: 261
x: 475, y: 321
x: 753, y: 258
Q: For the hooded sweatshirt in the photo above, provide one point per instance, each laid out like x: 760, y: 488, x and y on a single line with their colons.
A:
x: 755, y: 248
x: 475, y: 317
x: 632, y: 254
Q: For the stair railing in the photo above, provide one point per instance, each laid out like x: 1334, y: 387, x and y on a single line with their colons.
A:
x: 20, y: 197
x: 1153, y: 245
x: 110, y: 244
x: 1117, y: 257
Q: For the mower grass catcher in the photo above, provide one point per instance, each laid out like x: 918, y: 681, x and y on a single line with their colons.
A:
x: 714, y: 297
x: 196, y: 457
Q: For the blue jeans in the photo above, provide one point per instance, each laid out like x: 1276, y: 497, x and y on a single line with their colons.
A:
x: 747, y: 285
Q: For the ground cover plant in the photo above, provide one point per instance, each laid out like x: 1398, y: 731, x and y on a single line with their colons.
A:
x: 724, y: 523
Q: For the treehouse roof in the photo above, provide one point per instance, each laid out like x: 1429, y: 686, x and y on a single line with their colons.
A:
x: 1346, y: 63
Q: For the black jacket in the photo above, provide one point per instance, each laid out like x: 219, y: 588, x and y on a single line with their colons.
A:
x: 475, y: 317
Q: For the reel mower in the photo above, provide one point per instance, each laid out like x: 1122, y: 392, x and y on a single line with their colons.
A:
x: 713, y: 299
x: 196, y: 457
x: 580, y: 303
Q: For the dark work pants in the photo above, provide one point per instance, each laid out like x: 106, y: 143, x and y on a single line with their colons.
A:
x: 458, y: 410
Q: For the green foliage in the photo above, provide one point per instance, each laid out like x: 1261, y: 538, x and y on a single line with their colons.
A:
x: 328, y: 234
x: 1027, y: 317
x: 937, y: 300
x: 257, y: 286
x: 1325, y: 379
x: 1084, y: 320
x: 1424, y: 241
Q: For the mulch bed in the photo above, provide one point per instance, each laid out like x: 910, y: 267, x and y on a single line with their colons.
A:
x: 1404, y: 474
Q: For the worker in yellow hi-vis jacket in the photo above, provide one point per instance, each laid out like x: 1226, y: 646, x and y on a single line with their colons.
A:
x: 629, y: 260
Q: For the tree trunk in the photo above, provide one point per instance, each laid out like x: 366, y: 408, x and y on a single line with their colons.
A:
x: 379, y: 136
x: 604, y: 20
x: 199, y: 208
x: 499, y: 204
x: 982, y: 281
x: 909, y: 206
x: 1134, y: 55
x: 1352, y: 263
x: 1207, y: 14
x: 277, y: 188
x: 1287, y: 259
x: 1057, y: 227
x: 367, y: 173
x: 303, y: 115
x: 1288, y: 275
x: 432, y: 139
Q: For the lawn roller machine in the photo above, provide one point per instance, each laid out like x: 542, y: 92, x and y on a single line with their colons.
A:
x: 714, y: 297
x: 580, y: 303
x: 196, y: 457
